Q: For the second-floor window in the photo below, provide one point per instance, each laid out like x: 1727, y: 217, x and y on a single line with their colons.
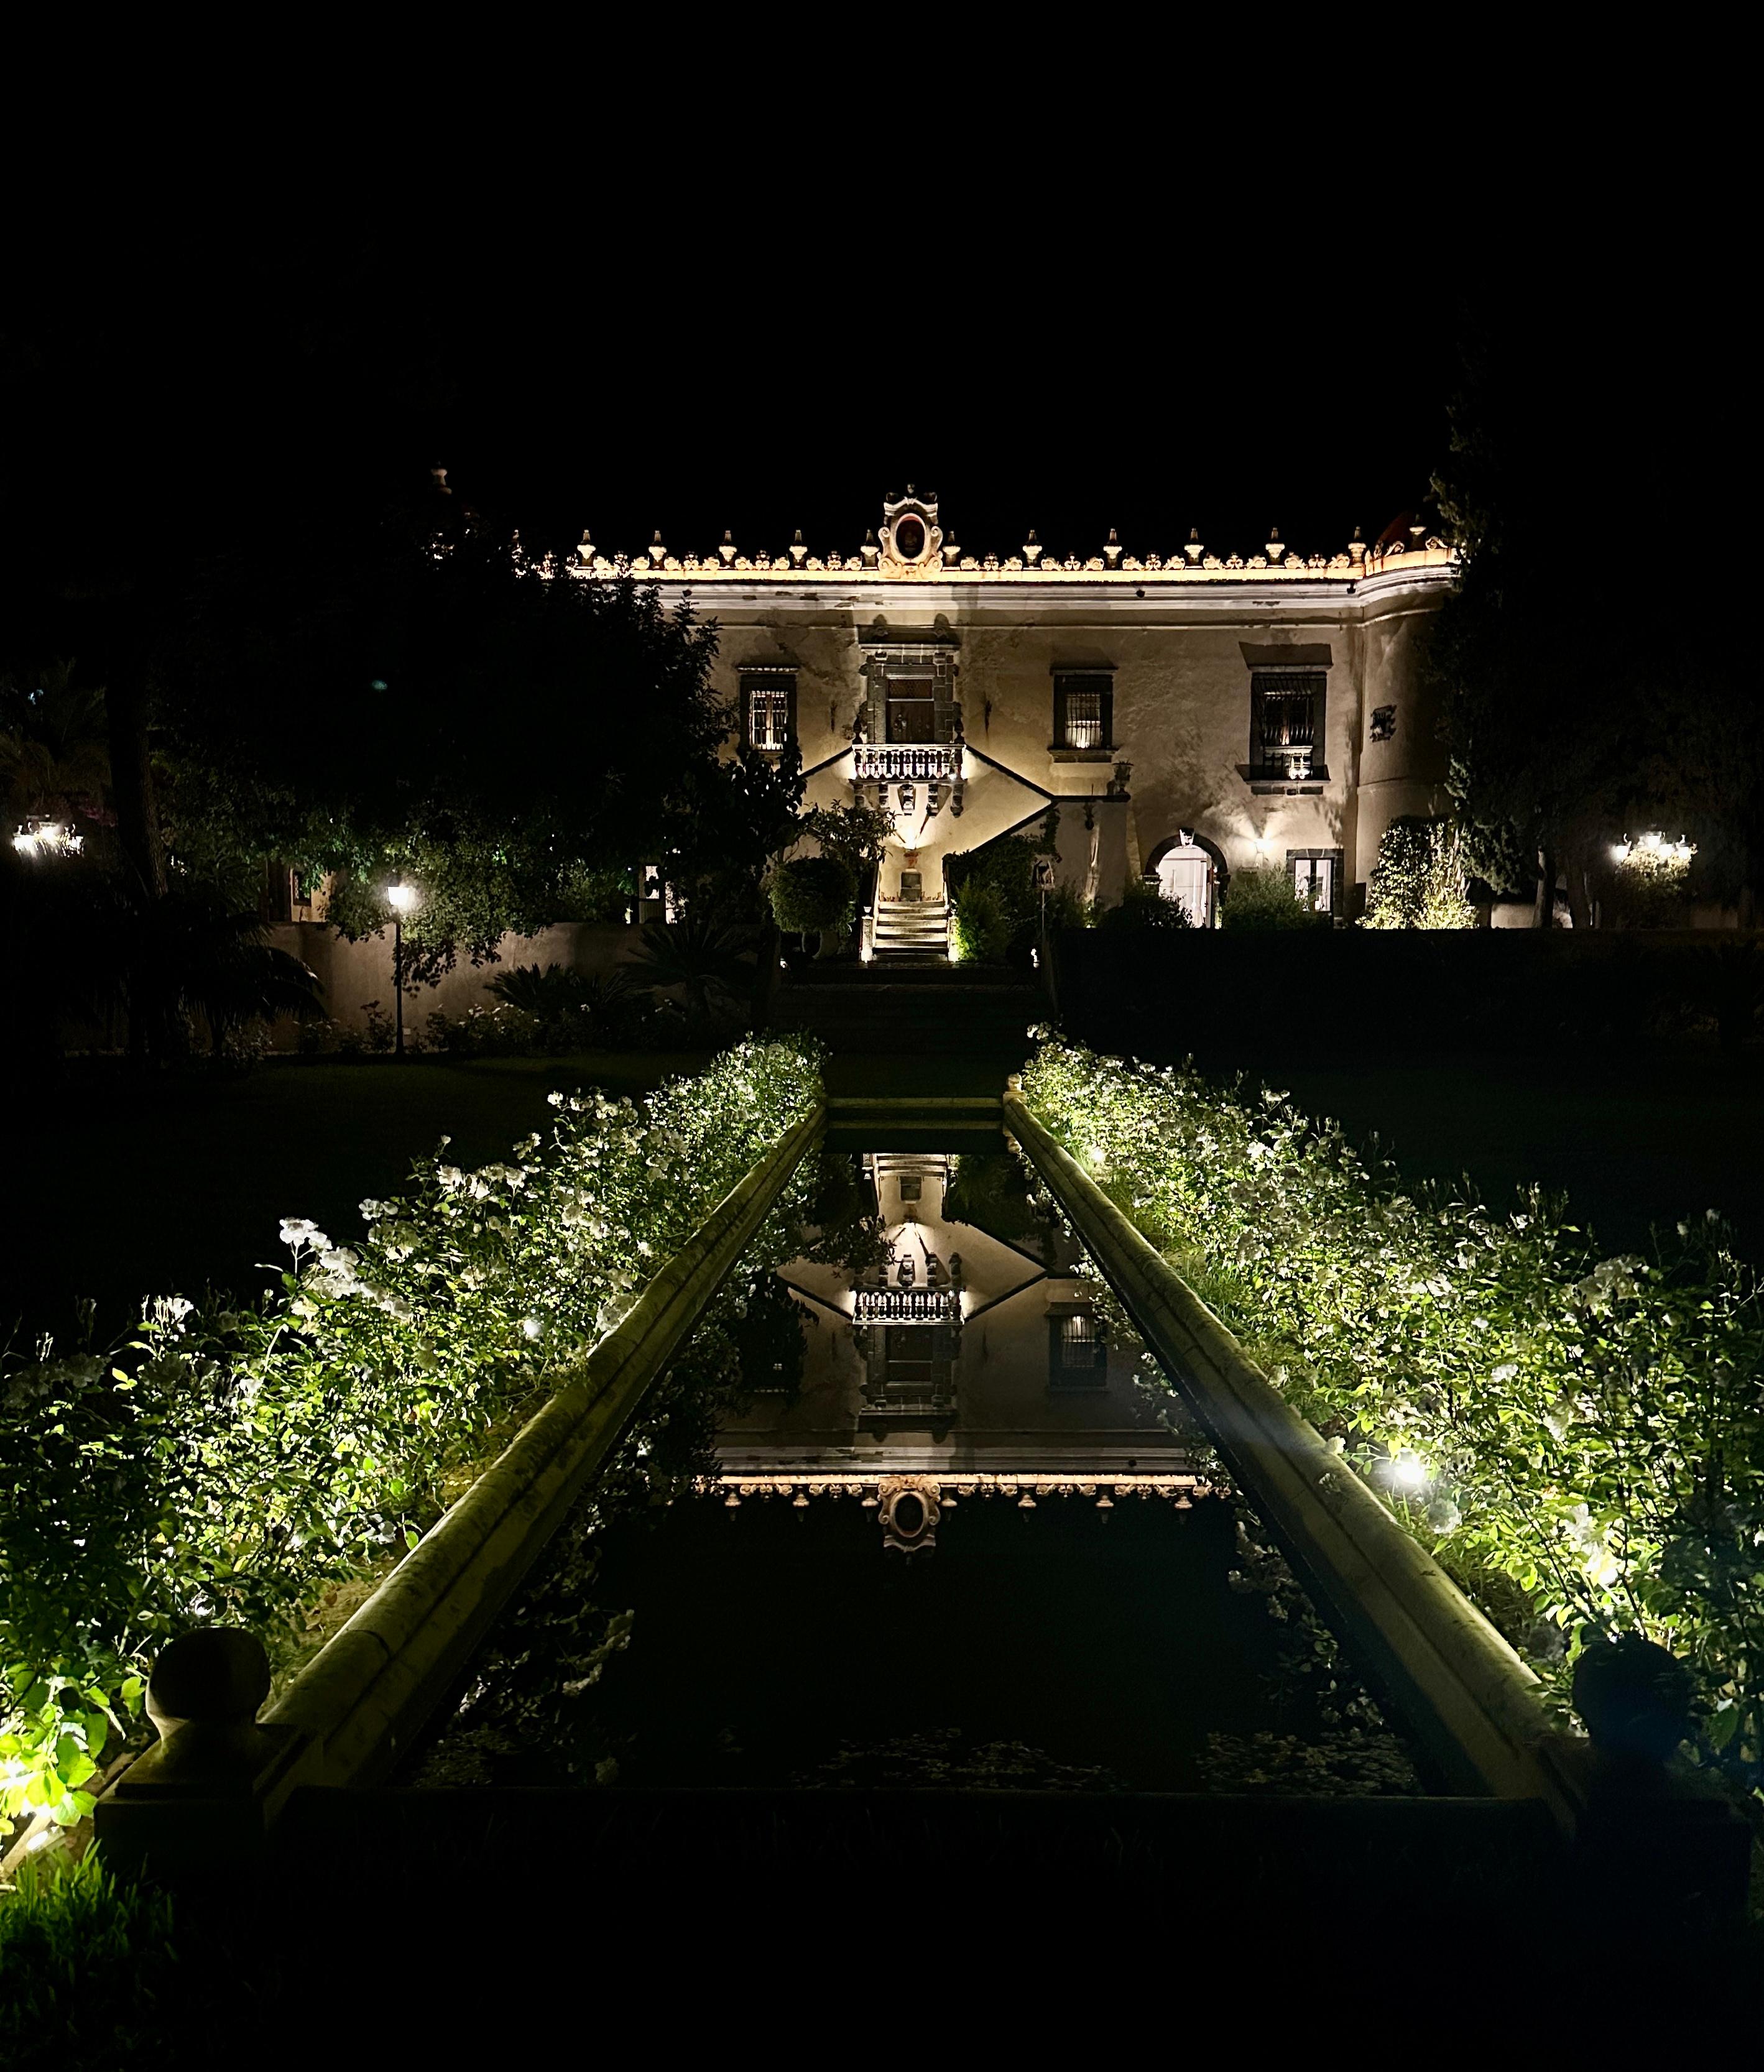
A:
x: 768, y: 708
x: 1286, y: 722
x: 1083, y: 711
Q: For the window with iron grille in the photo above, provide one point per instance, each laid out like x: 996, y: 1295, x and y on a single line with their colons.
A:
x: 1084, y: 712
x: 1077, y: 1354
x: 768, y: 708
x: 1286, y: 722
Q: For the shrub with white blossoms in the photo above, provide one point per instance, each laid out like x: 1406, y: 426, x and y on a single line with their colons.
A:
x: 1582, y: 1444
x: 234, y: 1466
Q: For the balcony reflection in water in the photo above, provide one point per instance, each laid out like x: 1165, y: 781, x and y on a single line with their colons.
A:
x: 949, y: 1332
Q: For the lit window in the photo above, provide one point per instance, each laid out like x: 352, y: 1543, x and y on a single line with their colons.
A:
x: 1078, y: 1352
x: 767, y: 702
x: 1084, y: 712
x: 1286, y: 717
x: 1313, y: 879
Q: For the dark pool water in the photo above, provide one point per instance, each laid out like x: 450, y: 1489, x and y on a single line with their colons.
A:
x: 932, y: 1324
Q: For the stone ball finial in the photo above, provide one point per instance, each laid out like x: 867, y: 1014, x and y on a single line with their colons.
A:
x: 217, y: 1676
x: 1636, y: 1698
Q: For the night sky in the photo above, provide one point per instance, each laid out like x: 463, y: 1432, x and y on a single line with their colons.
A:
x: 170, y: 385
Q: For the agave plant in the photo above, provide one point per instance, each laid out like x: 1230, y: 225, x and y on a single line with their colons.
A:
x: 709, y: 965
x: 594, y: 1004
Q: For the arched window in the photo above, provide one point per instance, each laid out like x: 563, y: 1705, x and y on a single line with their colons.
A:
x: 1189, y: 870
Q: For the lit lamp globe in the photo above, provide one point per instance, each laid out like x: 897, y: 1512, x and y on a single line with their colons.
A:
x: 402, y: 899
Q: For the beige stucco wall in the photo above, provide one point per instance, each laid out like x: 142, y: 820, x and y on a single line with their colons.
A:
x: 355, y: 974
x: 1407, y: 773
x: 1181, y: 706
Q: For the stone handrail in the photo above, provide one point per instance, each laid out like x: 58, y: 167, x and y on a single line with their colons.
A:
x: 352, y: 1712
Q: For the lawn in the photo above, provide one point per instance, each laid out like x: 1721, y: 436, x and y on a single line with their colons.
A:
x: 123, y: 1190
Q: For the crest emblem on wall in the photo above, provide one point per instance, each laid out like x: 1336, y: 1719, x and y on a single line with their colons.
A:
x: 912, y: 543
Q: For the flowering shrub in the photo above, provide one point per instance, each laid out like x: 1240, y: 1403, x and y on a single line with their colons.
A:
x: 239, y: 1465
x: 1581, y: 1443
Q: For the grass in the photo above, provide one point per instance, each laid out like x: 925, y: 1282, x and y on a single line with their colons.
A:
x: 87, y: 1969
x: 169, y: 1185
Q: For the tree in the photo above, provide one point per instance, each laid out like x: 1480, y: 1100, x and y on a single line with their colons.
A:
x: 815, y: 895
x: 496, y: 730
x: 1582, y: 699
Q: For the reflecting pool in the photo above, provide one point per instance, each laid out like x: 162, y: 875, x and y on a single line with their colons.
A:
x: 943, y: 1531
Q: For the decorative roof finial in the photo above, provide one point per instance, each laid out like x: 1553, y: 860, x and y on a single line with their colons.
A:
x: 1112, y: 549
x: 1356, y: 548
x: 658, y: 553
x: 1031, y: 549
x: 725, y: 552
x: 438, y: 477
x: 1192, y: 549
x: 1276, y: 548
x: 799, y: 553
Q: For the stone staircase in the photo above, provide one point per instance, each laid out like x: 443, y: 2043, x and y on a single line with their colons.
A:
x: 911, y: 928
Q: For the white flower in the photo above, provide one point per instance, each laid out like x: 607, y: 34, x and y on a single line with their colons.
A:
x: 555, y: 1097
x: 450, y: 1177
x: 372, y: 1210
x: 296, y: 1231
x: 532, y: 1327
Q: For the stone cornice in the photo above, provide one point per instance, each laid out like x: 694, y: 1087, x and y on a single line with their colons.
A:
x: 1335, y: 572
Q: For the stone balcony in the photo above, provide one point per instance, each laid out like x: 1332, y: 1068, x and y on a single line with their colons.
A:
x: 907, y: 762
x: 907, y: 1305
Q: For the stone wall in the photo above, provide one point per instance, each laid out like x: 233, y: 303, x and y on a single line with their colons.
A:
x: 355, y: 975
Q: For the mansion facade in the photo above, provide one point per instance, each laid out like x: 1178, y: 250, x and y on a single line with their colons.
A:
x: 1188, y: 714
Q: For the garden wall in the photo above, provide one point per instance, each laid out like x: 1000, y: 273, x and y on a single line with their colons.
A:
x: 1164, y: 994
x: 355, y: 974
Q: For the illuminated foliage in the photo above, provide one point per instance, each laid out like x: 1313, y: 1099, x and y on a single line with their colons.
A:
x: 234, y: 1466
x: 1581, y: 1441
x: 1418, y: 879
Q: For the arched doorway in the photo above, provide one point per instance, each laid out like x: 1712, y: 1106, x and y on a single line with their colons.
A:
x: 1191, y: 871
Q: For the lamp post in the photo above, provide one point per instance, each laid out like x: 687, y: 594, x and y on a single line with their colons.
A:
x: 402, y: 899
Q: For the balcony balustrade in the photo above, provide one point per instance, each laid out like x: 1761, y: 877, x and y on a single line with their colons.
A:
x: 907, y: 762
x: 907, y: 1305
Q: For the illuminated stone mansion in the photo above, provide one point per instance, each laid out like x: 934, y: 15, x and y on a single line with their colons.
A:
x: 1189, y: 714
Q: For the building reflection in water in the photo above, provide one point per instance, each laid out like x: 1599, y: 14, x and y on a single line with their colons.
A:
x: 956, y: 1353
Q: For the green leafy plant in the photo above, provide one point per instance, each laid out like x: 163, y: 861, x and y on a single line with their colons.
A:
x: 1419, y: 878
x: 1580, y: 1440
x: 1004, y: 870
x: 981, y: 925
x: 1261, y: 899
x: 814, y: 895
x: 707, y: 964
x: 88, y: 1963
x: 1143, y: 905
x: 238, y: 1465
